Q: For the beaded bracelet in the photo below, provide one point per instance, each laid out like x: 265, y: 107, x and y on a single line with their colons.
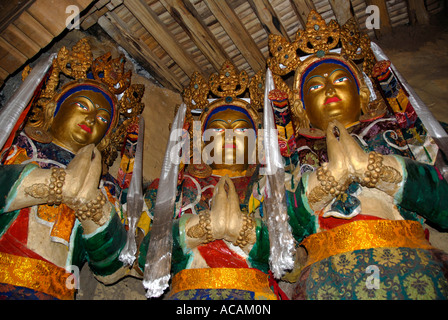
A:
x: 203, y: 228
x: 92, y: 209
x: 248, y: 225
x: 327, y: 181
x: 55, y: 187
x: 374, y: 170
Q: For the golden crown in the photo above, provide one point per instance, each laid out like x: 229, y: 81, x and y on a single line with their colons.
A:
x: 109, y: 73
x: 319, y: 38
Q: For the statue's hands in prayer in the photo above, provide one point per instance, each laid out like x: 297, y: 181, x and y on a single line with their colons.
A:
x: 81, y: 191
x: 339, y: 164
x: 82, y: 175
x: 224, y: 220
x: 357, y: 158
x: 225, y: 214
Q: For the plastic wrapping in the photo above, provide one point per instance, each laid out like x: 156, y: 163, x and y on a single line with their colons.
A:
x: 158, y: 257
x: 12, y: 110
x: 134, y: 199
x: 280, y: 235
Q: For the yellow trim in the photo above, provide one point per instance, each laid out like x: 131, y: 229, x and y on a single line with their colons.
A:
x: 231, y: 173
x: 35, y: 274
x: 224, y: 278
x: 368, y: 234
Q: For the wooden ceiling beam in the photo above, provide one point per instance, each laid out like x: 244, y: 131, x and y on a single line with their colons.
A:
x: 341, y: 9
x: 302, y: 9
x: 120, y: 33
x: 269, y: 19
x: 162, y: 35
x: 20, y: 41
x: 238, y: 33
x: 188, y: 18
x: 33, y: 29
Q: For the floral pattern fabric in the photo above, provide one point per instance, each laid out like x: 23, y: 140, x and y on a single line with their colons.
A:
x: 402, y: 273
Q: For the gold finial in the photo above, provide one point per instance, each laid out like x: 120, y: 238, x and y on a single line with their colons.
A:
x: 196, y: 93
x: 76, y: 62
x: 111, y: 72
x: 318, y: 36
x: 130, y: 104
x: 226, y: 83
x: 284, y: 55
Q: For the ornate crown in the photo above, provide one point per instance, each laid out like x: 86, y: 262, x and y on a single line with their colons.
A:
x: 108, y: 73
x: 227, y: 85
x: 318, y: 39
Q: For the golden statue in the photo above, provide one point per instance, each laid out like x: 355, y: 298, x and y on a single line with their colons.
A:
x: 360, y: 198
x: 220, y: 241
x: 60, y: 206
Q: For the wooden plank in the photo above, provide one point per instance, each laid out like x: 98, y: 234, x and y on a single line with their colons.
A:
x: 417, y: 12
x: 20, y: 41
x: 385, y: 26
x: 10, y: 10
x: 303, y: 8
x: 33, y: 29
x: 124, y: 37
x: 3, y: 74
x: 268, y: 17
x: 163, y: 36
x: 341, y: 9
x: 238, y: 33
x: 13, y: 60
x: 53, y: 20
x: 188, y: 18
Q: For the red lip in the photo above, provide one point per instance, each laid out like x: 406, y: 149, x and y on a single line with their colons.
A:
x: 332, y: 99
x: 232, y: 146
x: 86, y: 128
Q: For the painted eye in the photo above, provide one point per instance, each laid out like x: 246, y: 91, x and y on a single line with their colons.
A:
x: 218, y: 130
x: 79, y: 104
x: 315, y: 87
x: 340, y: 80
x: 241, y: 130
x: 101, y: 119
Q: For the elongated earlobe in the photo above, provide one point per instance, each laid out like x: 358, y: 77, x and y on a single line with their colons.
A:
x: 364, y: 98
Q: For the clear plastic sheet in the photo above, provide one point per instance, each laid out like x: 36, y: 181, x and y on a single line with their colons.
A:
x: 134, y: 199
x: 158, y: 257
x: 12, y: 110
x: 280, y: 236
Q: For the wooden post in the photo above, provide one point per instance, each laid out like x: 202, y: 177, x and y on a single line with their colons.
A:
x: 417, y: 12
x: 341, y: 9
x: 385, y: 26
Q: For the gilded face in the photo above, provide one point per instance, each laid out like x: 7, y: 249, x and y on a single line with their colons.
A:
x: 231, y: 149
x: 331, y: 93
x: 83, y: 118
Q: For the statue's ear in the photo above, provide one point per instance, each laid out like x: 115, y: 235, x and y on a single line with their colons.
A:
x: 49, y: 113
x: 364, y: 97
